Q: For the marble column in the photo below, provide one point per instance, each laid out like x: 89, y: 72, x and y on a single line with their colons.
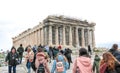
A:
x: 83, y: 39
x: 77, y: 39
x: 88, y: 34
x: 50, y: 35
x: 64, y: 43
x: 70, y: 36
x: 39, y: 37
x: 56, y: 38
x: 42, y: 36
x: 93, y: 39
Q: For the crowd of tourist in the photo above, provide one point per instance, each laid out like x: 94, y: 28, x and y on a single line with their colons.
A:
x: 38, y: 57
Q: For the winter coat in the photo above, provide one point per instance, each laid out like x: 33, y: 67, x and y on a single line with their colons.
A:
x: 20, y: 51
x: 84, y: 65
x: 40, y: 59
x: 65, y: 63
x: 96, y: 64
x: 10, y: 59
x: 115, y: 53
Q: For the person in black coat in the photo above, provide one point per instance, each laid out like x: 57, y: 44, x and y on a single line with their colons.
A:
x: 12, y: 60
x: 68, y: 55
x: 20, y: 51
x: 89, y: 50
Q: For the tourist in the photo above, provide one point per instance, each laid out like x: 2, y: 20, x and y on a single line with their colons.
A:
x: 114, y: 51
x: 27, y: 47
x: 109, y: 64
x: 68, y: 55
x: 60, y: 64
x: 83, y: 63
x: 20, y: 51
x: 50, y: 53
x: 96, y: 64
x: 89, y: 50
x: 41, y: 62
x: 35, y: 48
x: 55, y: 52
x: 29, y: 59
x: 12, y: 59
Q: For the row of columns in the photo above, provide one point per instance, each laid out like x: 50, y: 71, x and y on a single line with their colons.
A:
x: 37, y: 37
x: 70, y: 37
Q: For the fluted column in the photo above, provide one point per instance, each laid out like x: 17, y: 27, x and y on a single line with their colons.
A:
x: 56, y: 38
x: 77, y: 40
x: 42, y: 36
x: 64, y: 38
x: 83, y: 39
x: 50, y: 35
x: 88, y: 34
x: 70, y: 36
x: 93, y: 39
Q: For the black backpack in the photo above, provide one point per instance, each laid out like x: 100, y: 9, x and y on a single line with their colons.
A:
x: 41, y: 69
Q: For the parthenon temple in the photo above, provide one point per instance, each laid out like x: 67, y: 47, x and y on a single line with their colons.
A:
x: 58, y: 30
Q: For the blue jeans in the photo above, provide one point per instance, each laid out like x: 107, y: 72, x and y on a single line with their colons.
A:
x: 20, y: 60
x: 10, y: 68
x: 28, y: 65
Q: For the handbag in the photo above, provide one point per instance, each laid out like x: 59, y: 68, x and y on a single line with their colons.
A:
x: 77, y: 68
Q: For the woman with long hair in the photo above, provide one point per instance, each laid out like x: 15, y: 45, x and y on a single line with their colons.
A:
x: 109, y: 64
x: 29, y: 59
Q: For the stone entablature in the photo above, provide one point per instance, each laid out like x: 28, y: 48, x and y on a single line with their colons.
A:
x: 58, y: 30
x: 66, y: 20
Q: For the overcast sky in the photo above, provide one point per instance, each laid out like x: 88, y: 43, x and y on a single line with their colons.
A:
x: 17, y: 16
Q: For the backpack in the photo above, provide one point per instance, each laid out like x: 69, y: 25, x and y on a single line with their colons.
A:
x: 59, y: 66
x: 41, y: 69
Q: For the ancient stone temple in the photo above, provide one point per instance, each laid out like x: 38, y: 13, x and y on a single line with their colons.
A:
x: 58, y: 30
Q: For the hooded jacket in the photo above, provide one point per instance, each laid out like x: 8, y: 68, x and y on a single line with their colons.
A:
x: 84, y: 64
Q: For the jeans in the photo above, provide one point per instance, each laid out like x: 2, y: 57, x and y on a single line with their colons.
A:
x: 28, y: 65
x: 14, y: 69
x: 20, y: 58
